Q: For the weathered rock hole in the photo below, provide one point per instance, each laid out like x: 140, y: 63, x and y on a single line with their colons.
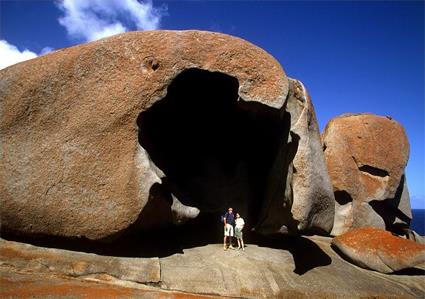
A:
x: 154, y: 65
x: 215, y: 149
x: 374, y: 171
x: 342, y: 197
x: 149, y: 64
x: 389, y: 211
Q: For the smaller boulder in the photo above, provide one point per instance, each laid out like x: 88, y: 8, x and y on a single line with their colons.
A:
x: 379, y: 250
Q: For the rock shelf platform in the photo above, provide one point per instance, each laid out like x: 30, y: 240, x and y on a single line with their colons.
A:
x: 307, y: 268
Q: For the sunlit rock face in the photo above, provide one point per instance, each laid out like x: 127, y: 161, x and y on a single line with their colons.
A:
x: 379, y: 250
x: 299, y: 173
x: 366, y: 156
x: 151, y: 129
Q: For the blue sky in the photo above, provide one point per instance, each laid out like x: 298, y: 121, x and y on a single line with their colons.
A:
x: 359, y: 56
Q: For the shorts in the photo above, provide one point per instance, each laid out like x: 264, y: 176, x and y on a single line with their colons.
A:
x: 228, y: 230
x: 238, y: 233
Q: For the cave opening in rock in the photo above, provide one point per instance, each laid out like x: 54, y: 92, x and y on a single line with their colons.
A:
x: 342, y: 197
x: 215, y: 149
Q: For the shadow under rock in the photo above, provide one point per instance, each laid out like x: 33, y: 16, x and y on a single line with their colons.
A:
x: 307, y: 254
x: 410, y: 272
x: 202, y: 231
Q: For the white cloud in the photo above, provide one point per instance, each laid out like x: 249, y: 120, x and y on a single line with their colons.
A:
x: 10, y: 54
x: 94, y: 19
x: 46, y: 50
x: 108, y: 31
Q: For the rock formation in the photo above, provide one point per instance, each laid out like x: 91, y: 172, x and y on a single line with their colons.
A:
x: 366, y: 155
x: 379, y: 250
x: 308, y: 191
x: 145, y: 129
x: 309, y: 269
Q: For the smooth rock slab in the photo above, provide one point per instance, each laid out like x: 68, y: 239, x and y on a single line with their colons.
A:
x: 379, y: 250
x: 262, y: 272
x: 78, y: 264
x: 29, y: 285
x: 293, y: 268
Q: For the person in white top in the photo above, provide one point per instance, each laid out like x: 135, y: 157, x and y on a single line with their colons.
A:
x: 239, y: 224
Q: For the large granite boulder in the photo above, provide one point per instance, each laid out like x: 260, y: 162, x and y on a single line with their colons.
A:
x: 146, y: 129
x: 366, y: 156
x: 308, y: 197
x: 379, y: 250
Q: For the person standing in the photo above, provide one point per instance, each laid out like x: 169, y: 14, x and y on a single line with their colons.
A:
x: 239, y: 224
x: 229, y: 219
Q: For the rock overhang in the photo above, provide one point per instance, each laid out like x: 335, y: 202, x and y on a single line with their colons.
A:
x: 212, y: 148
x: 84, y: 101
x: 169, y: 52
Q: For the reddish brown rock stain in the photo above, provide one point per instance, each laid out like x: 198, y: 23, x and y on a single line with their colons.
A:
x: 372, y: 239
x: 353, y: 141
x: 9, y: 253
x: 80, y: 289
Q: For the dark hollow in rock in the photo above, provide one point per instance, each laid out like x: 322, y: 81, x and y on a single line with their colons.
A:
x: 374, y: 171
x: 215, y: 149
x: 342, y: 197
x: 389, y: 211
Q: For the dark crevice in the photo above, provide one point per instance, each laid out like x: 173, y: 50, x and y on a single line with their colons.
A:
x: 342, y: 197
x: 410, y: 272
x: 276, y: 213
x: 388, y: 210
x: 374, y: 171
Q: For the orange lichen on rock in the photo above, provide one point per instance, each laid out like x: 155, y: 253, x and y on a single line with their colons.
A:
x: 366, y: 155
x: 19, y: 286
x: 367, y: 238
x: 379, y: 250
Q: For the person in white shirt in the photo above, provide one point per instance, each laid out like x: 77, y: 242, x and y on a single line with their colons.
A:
x: 239, y: 224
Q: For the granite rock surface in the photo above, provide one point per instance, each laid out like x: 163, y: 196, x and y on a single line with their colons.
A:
x: 379, y: 250
x: 291, y: 268
x: 366, y: 156
x: 149, y: 129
